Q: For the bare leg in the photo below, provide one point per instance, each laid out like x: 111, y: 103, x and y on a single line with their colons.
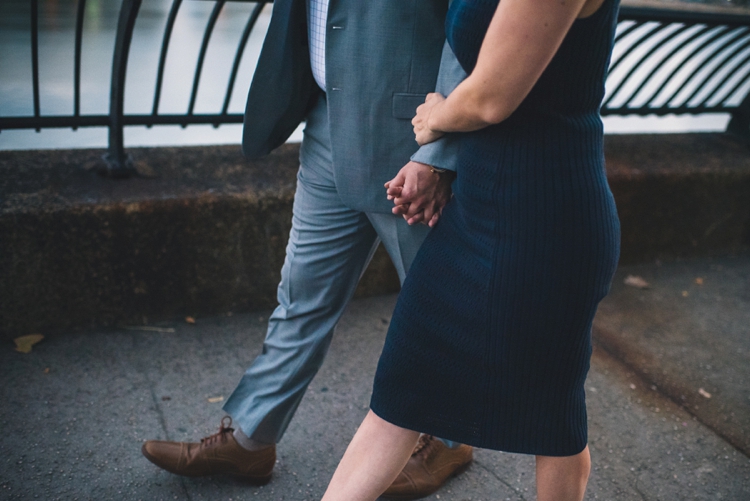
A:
x: 562, y: 478
x: 375, y: 456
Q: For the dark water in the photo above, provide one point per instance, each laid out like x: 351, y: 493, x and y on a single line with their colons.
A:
x: 56, y: 57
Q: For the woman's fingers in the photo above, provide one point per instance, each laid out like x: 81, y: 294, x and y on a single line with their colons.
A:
x: 433, y: 98
x: 400, y: 210
x: 425, y: 136
x: 433, y: 220
x: 416, y: 218
x: 393, y: 192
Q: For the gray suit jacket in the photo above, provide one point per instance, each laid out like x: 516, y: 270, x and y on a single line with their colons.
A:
x: 382, y: 58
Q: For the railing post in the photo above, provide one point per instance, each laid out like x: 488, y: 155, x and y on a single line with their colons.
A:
x: 118, y: 164
x: 35, y: 57
x: 739, y: 124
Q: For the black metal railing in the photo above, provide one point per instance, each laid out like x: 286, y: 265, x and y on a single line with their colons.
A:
x: 665, y: 61
x: 677, y: 62
x: 118, y: 163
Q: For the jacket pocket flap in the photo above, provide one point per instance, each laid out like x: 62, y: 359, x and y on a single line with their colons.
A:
x: 405, y: 105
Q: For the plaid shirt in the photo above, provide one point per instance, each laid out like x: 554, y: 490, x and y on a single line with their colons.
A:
x: 317, y: 15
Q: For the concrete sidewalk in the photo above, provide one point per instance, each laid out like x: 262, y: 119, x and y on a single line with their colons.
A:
x: 688, y: 334
x: 76, y: 410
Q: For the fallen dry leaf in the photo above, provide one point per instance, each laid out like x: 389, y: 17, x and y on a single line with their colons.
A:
x: 699, y: 281
x: 704, y: 393
x: 636, y: 281
x: 213, y: 400
x: 24, y: 343
x: 190, y: 320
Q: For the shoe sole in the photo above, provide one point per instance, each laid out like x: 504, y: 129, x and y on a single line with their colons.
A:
x: 410, y: 497
x: 246, y: 478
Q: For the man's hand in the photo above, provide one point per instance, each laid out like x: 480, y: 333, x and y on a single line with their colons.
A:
x: 419, y: 193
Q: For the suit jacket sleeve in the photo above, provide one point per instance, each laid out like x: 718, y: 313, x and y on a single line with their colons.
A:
x: 443, y: 153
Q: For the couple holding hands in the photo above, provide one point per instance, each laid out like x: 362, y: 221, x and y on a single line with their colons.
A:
x: 489, y: 344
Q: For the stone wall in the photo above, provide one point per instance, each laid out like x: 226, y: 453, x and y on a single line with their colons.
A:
x: 203, y: 230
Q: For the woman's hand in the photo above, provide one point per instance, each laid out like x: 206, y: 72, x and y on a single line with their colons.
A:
x: 422, y: 132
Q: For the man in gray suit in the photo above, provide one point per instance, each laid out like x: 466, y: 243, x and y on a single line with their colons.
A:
x: 355, y: 71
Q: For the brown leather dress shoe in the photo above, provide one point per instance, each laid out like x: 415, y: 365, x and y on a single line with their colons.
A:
x: 431, y: 465
x: 216, y: 454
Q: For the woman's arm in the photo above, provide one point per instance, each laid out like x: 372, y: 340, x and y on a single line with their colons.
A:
x: 521, y: 40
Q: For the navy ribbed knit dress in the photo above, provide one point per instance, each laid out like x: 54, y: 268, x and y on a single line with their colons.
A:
x: 490, y: 340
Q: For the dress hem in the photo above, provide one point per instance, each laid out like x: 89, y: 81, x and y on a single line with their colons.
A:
x: 435, y: 430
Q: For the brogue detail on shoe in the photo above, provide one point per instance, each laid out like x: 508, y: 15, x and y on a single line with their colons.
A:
x: 216, y: 454
x: 431, y: 465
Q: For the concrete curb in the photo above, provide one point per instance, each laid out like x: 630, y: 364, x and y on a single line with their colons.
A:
x: 680, y: 195
x: 203, y: 231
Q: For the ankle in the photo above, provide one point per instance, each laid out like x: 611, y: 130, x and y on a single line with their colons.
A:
x: 249, y: 443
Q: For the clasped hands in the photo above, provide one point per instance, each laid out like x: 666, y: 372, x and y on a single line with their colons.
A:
x: 418, y: 192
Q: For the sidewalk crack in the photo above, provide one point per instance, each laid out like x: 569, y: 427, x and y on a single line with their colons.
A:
x: 136, y: 340
x: 159, y: 411
x: 501, y: 480
x: 638, y: 490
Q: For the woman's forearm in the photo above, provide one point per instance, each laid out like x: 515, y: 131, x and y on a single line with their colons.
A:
x: 466, y: 109
x: 522, y: 38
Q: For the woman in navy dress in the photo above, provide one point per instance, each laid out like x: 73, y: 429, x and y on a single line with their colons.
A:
x: 490, y: 341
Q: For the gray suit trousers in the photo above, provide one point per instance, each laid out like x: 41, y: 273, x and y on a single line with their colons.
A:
x: 330, y: 245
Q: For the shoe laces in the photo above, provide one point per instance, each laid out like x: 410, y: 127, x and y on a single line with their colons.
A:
x: 220, y: 435
x: 425, y: 446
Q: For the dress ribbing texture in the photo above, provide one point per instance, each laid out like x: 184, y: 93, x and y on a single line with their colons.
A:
x: 490, y: 340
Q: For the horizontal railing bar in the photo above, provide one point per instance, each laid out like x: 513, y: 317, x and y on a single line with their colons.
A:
x: 661, y: 111
x: 680, y: 16
x: 194, y: 119
x: 8, y: 123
